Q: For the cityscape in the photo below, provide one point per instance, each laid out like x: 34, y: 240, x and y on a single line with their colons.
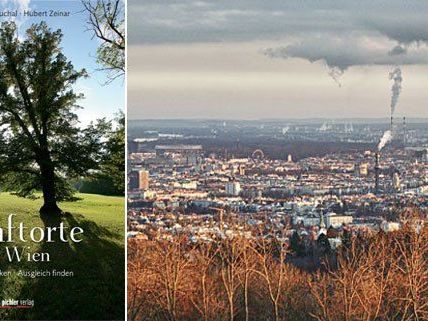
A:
x: 306, y: 177
x: 268, y: 220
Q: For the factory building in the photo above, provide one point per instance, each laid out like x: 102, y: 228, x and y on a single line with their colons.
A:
x: 181, y: 149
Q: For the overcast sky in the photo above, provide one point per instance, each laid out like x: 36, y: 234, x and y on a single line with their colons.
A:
x: 275, y: 59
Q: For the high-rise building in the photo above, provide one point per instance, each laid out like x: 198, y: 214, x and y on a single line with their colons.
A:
x: 364, y: 169
x: 241, y: 170
x: 143, y: 180
x: 361, y: 169
x: 233, y: 188
x: 396, y: 182
x: 133, y: 180
x: 425, y: 156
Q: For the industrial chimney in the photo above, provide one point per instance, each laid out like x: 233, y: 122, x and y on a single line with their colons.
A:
x: 377, y: 170
x: 404, y: 132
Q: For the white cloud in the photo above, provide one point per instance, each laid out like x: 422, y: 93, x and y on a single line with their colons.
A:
x: 20, y: 5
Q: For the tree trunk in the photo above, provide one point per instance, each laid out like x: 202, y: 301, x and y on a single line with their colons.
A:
x: 247, y: 314
x: 50, y: 206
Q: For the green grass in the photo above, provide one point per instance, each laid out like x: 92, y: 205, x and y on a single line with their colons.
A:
x: 96, y: 291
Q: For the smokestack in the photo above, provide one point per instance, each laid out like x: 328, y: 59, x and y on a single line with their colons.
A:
x: 377, y: 170
x: 391, y: 126
x: 404, y: 132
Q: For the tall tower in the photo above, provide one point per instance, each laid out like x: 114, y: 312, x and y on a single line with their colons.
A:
x: 377, y: 170
x: 322, y: 223
x: 396, y: 183
x: 143, y: 180
x: 404, y: 132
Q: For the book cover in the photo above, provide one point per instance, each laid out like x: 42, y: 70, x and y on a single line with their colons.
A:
x: 62, y: 165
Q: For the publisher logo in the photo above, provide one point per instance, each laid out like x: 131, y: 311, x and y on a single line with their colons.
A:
x: 17, y: 304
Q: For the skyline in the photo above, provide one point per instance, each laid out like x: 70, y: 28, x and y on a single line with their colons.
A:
x: 249, y: 59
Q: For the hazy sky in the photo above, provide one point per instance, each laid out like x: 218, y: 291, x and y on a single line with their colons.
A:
x: 253, y: 59
x: 80, y: 49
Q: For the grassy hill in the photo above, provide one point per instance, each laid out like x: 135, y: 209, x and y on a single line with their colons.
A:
x: 96, y: 291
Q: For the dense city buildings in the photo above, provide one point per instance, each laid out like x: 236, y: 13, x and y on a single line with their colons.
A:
x: 224, y: 188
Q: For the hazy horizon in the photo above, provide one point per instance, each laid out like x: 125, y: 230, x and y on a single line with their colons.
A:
x: 356, y: 119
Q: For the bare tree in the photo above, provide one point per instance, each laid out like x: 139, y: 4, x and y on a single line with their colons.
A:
x: 356, y: 289
x: 230, y: 253
x: 172, y: 270
x: 376, y: 283
x: 321, y: 289
x: 412, y: 265
x: 137, y: 279
x: 206, y: 298
x: 377, y: 276
x: 144, y: 290
x: 248, y: 265
x: 272, y: 269
x: 106, y: 21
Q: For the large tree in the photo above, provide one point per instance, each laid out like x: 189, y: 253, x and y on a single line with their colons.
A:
x: 41, y: 144
x: 113, y: 162
x: 109, y: 178
x: 106, y: 22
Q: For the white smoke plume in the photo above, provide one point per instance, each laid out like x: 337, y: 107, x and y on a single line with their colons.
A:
x: 386, y: 138
x: 395, y: 75
x: 325, y: 127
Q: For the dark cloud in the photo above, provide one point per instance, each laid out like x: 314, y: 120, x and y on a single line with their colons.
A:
x: 217, y: 21
x: 354, y: 50
x: 168, y: 21
x: 177, y: 70
x: 398, y: 50
x: 407, y: 26
x: 339, y: 33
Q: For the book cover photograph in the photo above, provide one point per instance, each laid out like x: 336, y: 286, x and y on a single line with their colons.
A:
x: 62, y: 165
x: 277, y: 160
